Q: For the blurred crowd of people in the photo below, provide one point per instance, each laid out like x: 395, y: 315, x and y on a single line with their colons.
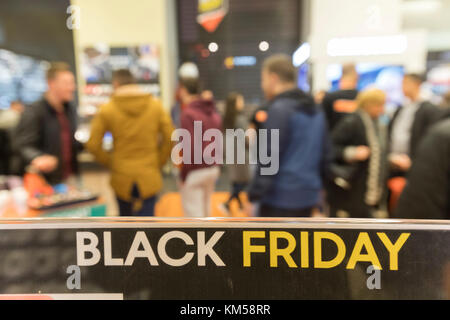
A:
x: 337, y: 155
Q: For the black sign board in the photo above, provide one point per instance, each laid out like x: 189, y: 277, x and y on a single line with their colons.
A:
x: 226, y: 258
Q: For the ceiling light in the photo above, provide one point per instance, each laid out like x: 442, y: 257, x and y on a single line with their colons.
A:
x: 264, y: 46
x: 213, y: 47
x: 421, y: 6
x: 301, y: 54
x: 365, y: 46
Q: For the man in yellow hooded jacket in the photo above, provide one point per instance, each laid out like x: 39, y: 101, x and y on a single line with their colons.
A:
x: 141, y: 131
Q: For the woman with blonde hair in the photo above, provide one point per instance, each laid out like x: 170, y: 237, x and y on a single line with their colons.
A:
x: 360, y: 143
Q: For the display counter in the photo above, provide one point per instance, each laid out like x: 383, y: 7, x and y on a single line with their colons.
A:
x: 32, y: 196
x: 225, y: 258
x: 95, y: 208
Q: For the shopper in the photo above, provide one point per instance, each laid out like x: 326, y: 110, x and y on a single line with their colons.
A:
x: 45, y: 135
x: 175, y: 112
x: 9, y: 119
x: 338, y: 104
x: 303, y: 145
x: 141, y: 131
x: 409, y: 125
x: 5, y: 152
x: 445, y: 105
x: 319, y: 96
x: 259, y: 117
x: 198, y: 178
x: 239, y: 174
x: 186, y: 70
x: 427, y: 193
x: 360, y: 152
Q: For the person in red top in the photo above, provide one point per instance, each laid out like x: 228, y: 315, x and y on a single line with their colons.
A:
x: 198, y: 176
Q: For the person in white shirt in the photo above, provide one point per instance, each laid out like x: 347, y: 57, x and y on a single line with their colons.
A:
x: 409, y: 125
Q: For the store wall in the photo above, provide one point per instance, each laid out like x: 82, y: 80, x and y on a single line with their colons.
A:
x: 238, y: 36
x: 132, y: 22
x: 363, y: 18
x: 433, y: 15
x: 41, y: 36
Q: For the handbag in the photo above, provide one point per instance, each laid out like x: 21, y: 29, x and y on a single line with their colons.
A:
x: 343, y: 174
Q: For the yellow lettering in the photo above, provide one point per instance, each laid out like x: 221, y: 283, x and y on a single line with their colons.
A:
x: 318, y: 262
x: 249, y: 248
x: 371, y: 256
x: 304, y: 249
x: 275, y: 252
x: 393, y: 248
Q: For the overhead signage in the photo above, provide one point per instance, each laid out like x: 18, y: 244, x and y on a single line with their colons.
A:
x: 211, y: 13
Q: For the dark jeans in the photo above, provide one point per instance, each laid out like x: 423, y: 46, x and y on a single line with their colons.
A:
x: 126, y: 207
x: 269, y: 211
x: 237, y: 188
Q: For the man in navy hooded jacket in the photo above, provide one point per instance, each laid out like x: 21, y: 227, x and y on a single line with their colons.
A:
x: 303, y: 148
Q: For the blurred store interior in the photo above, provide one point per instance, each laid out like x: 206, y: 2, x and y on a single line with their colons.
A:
x: 228, y: 40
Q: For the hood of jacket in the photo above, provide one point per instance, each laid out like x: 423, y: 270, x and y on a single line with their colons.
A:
x: 131, y: 100
x: 207, y: 107
x: 303, y: 101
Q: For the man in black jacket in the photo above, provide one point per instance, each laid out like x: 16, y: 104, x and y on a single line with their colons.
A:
x: 409, y: 125
x: 338, y: 104
x: 44, y: 137
x: 5, y: 152
x: 427, y: 193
